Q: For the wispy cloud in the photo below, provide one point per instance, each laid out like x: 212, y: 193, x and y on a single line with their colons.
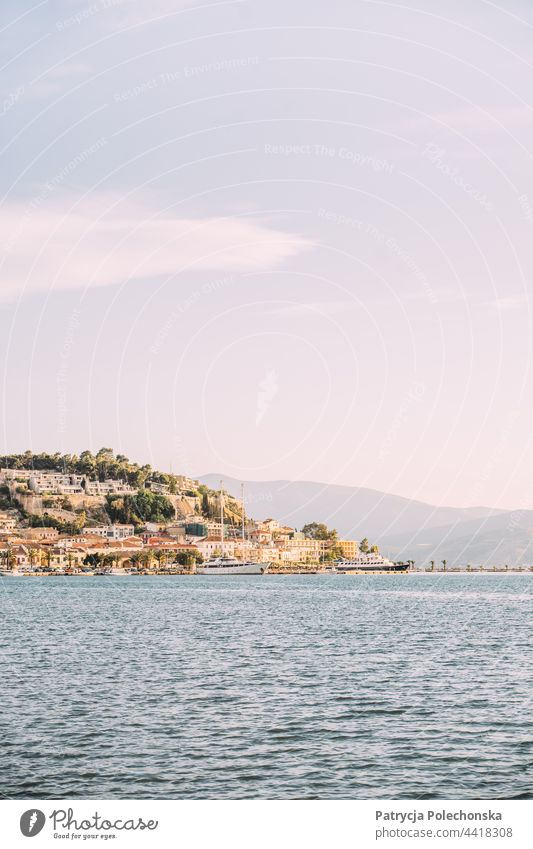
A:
x: 105, y: 241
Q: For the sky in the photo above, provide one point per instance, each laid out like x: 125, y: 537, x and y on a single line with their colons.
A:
x: 272, y: 240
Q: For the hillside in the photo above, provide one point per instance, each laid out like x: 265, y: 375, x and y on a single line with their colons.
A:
x: 501, y: 539
x: 404, y: 529
x: 144, y: 495
x: 354, y: 511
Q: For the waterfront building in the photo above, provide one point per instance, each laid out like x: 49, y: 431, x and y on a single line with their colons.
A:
x: 211, y: 546
x: 20, y: 556
x: 349, y: 547
x: 300, y: 549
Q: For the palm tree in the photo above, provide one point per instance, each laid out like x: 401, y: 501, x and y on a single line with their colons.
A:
x: 93, y: 560
x: 147, y: 557
x: 432, y: 564
x: 160, y: 556
x: 107, y: 560
x: 364, y: 546
x: 136, y: 559
x: 8, y: 557
x: 444, y: 562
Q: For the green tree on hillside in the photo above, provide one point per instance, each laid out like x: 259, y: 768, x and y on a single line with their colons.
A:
x: 138, y: 509
x: 317, y: 530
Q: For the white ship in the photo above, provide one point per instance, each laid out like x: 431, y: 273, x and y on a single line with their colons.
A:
x: 369, y: 563
x: 230, y: 566
x: 225, y: 565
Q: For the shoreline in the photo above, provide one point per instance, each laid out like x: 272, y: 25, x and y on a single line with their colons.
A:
x: 309, y: 574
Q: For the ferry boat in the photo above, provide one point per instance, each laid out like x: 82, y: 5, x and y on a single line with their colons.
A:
x: 230, y: 566
x: 369, y: 563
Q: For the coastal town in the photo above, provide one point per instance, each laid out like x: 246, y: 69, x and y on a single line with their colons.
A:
x: 57, y: 521
x: 104, y: 515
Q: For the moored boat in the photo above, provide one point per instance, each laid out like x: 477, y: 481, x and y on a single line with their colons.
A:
x: 230, y: 566
x: 369, y: 563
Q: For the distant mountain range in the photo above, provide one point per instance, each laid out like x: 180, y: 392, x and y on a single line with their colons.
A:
x: 402, y: 528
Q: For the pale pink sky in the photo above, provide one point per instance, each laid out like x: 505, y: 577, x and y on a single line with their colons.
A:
x: 273, y: 240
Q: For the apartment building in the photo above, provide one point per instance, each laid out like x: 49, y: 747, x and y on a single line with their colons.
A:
x: 184, y: 483
x: 10, y: 475
x: 349, y: 548
x: 109, y: 487
x: 40, y: 534
x: 55, y: 483
x: 157, y: 487
x: 300, y: 549
x: 116, y: 532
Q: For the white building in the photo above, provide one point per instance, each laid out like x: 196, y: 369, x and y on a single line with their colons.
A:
x: 157, y: 487
x: 211, y: 546
x: 109, y: 487
x: 55, y: 483
x: 184, y: 483
x: 111, y: 531
x: 16, y: 474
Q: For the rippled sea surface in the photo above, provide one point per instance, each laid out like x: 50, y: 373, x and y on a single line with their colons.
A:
x: 348, y: 687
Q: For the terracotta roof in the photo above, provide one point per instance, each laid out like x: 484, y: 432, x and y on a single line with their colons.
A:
x: 216, y: 539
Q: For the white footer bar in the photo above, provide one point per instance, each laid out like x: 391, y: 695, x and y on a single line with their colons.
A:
x: 268, y: 824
